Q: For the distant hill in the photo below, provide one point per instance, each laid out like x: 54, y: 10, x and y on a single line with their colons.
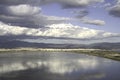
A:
x: 105, y: 45
x: 17, y: 44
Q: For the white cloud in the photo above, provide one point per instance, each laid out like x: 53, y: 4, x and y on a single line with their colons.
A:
x: 16, y: 30
x: 23, y: 10
x: 93, y: 22
x: 56, y: 30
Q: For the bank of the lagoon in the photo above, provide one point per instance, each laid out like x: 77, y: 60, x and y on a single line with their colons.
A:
x: 111, y: 54
x: 44, y: 49
x: 102, y: 53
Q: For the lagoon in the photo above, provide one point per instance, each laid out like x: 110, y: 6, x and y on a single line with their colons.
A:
x: 38, y: 65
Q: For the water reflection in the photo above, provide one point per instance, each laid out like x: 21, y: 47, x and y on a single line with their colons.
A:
x: 53, y: 66
x: 77, y: 65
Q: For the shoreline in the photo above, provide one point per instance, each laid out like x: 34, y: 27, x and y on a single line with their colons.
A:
x: 114, y: 55
x: 44, y: 49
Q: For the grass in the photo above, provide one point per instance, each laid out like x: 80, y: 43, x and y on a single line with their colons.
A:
x: 102, y: 53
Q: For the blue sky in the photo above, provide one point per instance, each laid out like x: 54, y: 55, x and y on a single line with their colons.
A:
x: 98, y: 12
x: 62, y: 21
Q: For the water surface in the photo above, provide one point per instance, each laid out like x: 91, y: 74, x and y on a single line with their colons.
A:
x: 56, y: 66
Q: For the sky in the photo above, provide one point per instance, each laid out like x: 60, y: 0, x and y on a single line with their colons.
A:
x: 60, y: 21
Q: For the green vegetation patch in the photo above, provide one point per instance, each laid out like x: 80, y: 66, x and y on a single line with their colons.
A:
x: 102, y: 53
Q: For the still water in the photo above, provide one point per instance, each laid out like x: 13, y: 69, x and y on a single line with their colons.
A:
x: 56, y: 66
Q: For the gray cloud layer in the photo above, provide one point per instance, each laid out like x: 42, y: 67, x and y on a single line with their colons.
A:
x: 27, y: 13
x: 115, y: 10
x: 81, y: 13
x: 65, y: 3
x: 24, y: 18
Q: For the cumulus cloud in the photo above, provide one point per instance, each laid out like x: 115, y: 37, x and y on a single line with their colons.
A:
x: 15, y: 30
x: 24, y: 17
x: 23, y: 10
x: 27, y: 13
x: 115, y: 10
x: 56, y: 30
x: 19, y: 10
x: 93, y: 22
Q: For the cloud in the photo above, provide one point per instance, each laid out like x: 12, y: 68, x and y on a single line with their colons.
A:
x: 64, y: 3
x: 53, y: 65
x: 13, y: 30
x: 77, y: 3
x: 81, y: 13
x: 115, y: 10
x: 19, y: 10
x: 23, y: 10
x: 19, y: 15
x: 93, y: 22
x: 42, y: 19
x: 106, y: 5
x: 57, y: 31
x: 26, y: 19
x: 27, y: 13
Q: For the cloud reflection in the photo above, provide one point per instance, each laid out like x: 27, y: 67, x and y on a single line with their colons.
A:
x: 52, y: 65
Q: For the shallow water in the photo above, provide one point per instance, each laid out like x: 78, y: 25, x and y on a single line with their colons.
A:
x: 56, y: 66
